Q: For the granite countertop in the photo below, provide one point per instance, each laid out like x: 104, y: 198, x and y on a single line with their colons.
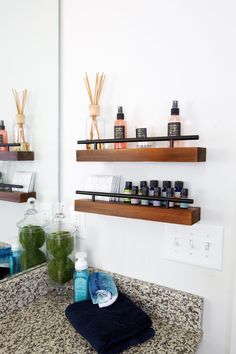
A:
x: 41, y: 327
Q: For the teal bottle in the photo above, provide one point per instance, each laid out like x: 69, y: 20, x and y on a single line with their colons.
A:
x: 81, y: 278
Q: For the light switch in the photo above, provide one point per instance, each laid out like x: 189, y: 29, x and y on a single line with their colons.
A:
x: 200, y: 244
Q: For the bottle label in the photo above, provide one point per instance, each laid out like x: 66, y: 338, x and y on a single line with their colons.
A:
x: 127, y: 191
x: 81, y: 289
x: 119, y: 132
x: 141, y: 132
x: 174, y: 129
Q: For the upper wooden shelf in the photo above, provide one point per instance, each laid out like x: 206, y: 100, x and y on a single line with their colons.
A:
x: 171, y: 215
x: 16, y: 197
x: 172, y: 154
x: 16, y: 155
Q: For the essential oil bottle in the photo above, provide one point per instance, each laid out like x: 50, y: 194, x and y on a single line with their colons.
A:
x: 170, y: 194
x: 174, y: 124
x: 120, y: 129
x: 157, y: 193
x: 153, y: 185
x: 165, y: 185
x: 134, y: 192
x: 142, y: 184
x: 145, y: 194
x: 184, y: 195
x: 178, y: 188
x: 127, y: 190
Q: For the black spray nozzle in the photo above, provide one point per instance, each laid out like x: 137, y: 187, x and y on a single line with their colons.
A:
x: 120, y: 114
x: 175, y: 108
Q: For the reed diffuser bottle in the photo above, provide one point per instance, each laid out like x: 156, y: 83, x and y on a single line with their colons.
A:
x: 21, y: 131
x: 95, y: 123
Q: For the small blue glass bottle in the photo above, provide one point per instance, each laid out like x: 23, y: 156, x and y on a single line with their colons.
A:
x: 178, y: 188
x: 157, y: 193
x: 165, y: 186
x: 5, y: 260
x: 153, y: 185
x: 15, y: 265
x: 81, y: 277
x: 184, y: 195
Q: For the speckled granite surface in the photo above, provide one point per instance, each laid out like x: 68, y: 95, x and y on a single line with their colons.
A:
x: 23, y: 288
x: 42, y: 327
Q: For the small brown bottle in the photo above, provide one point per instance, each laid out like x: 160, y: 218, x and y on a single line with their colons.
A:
x: 3, y: 136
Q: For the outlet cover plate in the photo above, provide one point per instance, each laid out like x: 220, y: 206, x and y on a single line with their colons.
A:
x: 199, y: 245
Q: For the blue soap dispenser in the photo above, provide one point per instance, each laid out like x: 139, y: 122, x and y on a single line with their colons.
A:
x: 81, y: 276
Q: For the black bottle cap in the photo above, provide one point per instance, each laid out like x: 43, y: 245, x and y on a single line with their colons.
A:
x: 128, y: 185
x: 166, y: 184
x: 184, y: 193
x: 2, y: 126
x: 179, y: 184
x: 145, y: 191
x: 153, y: 183
x: 134, y: 190
x: 120, y: 114
x: 143, y: 184
x: 175, y: 109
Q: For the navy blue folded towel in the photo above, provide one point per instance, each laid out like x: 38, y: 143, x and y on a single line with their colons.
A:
x: 112, y: 329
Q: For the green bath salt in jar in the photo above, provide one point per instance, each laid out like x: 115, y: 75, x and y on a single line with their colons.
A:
x: 31, y: 238
x: 60, y: 252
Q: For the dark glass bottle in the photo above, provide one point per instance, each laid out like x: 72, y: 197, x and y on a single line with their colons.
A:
x: 184, y: 194
x: 127, y: 190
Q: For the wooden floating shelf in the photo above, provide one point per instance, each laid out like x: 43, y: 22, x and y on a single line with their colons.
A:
x: 16, y: 155
x: 169, y: 215
x: 176, y: 154
x: 16, y: 197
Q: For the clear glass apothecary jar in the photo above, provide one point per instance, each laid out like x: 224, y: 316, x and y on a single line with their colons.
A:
x: 60, y: 252
x: 31, y: 237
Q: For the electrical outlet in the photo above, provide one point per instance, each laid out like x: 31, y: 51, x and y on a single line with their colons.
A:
x: 80, y: 225
x: 200, y: 245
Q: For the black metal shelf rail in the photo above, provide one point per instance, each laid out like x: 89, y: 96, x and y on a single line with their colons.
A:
x: 10, y: 144
x: 171, y: 139
x: 7, y: 187
x: 132, y: 196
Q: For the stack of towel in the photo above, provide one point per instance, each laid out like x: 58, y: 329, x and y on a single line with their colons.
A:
x: 113, y: 326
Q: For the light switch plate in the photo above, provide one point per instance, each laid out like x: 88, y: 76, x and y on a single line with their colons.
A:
x: 200, y: 245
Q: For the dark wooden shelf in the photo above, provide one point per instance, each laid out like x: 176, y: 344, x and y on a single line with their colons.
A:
x: 16, y: 197
x: 171, y: 215
x: 176, y: 154
x: 16, y: 155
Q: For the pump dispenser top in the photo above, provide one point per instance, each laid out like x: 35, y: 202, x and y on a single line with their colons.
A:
x: 81, y: 261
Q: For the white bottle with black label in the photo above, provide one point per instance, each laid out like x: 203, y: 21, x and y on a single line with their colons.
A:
x: 174, y: 124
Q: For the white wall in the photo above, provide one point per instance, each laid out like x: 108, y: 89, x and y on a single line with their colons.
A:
x: 153, y: 52
x: 29, y: 57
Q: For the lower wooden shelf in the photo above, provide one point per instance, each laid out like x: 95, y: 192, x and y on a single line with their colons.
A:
x: 171, y: 215
x: 16, y: 197
x: 16, y: 155
x: 177, y: 154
